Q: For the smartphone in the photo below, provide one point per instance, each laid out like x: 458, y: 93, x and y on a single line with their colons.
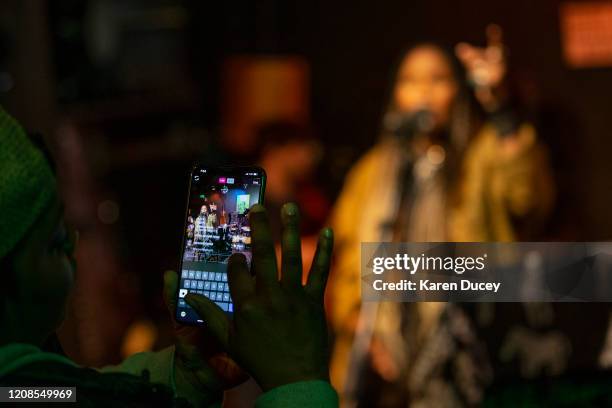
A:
x: 216, y: 226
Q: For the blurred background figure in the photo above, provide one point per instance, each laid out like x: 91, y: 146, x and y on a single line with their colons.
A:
x: 455, y: 162
x: 291, y: 154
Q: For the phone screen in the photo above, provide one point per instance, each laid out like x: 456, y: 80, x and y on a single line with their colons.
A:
x: 216, y: 226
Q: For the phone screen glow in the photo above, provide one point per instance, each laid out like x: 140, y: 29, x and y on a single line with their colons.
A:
x: 216, y: 226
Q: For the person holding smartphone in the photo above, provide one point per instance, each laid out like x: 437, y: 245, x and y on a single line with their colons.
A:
x: 37, y: 271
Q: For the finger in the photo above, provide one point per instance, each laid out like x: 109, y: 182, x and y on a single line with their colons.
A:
x: 467, y: 53
x: 291, y: 271
x: 264, y: 257
x: 241, y: 283
x: 494, y: 35
x: 214, y: 317
x: 171, y: 282
x: 317, y: 279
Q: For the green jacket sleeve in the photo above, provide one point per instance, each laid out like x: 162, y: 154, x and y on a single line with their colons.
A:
x: 304, y: 394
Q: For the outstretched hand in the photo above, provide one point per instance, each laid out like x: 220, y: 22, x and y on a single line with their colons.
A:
x: 486, y: 66
x: 278, y: 332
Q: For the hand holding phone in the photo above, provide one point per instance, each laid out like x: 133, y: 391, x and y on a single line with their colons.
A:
x: 202, y: 367
x: 278, y: 331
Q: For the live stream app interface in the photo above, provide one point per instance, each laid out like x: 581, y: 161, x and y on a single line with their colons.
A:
x: 217, y: 226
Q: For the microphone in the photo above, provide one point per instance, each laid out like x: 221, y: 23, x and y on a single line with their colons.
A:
x: 407, y: 125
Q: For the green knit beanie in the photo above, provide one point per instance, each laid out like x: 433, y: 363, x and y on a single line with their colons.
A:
x: 27, y: 183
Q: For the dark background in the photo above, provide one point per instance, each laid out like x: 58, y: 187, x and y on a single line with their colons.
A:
x: 351, y: 48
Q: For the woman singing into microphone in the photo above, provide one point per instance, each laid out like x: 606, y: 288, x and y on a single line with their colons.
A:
x: 455, y: 162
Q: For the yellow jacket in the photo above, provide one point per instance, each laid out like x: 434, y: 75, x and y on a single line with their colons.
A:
x: 503, y: 183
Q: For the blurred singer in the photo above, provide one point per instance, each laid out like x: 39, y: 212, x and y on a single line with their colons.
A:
x: 455, y: 162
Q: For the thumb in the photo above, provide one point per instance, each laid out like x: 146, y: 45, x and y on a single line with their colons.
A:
x: 214, y: 318
x: 171, y: 282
